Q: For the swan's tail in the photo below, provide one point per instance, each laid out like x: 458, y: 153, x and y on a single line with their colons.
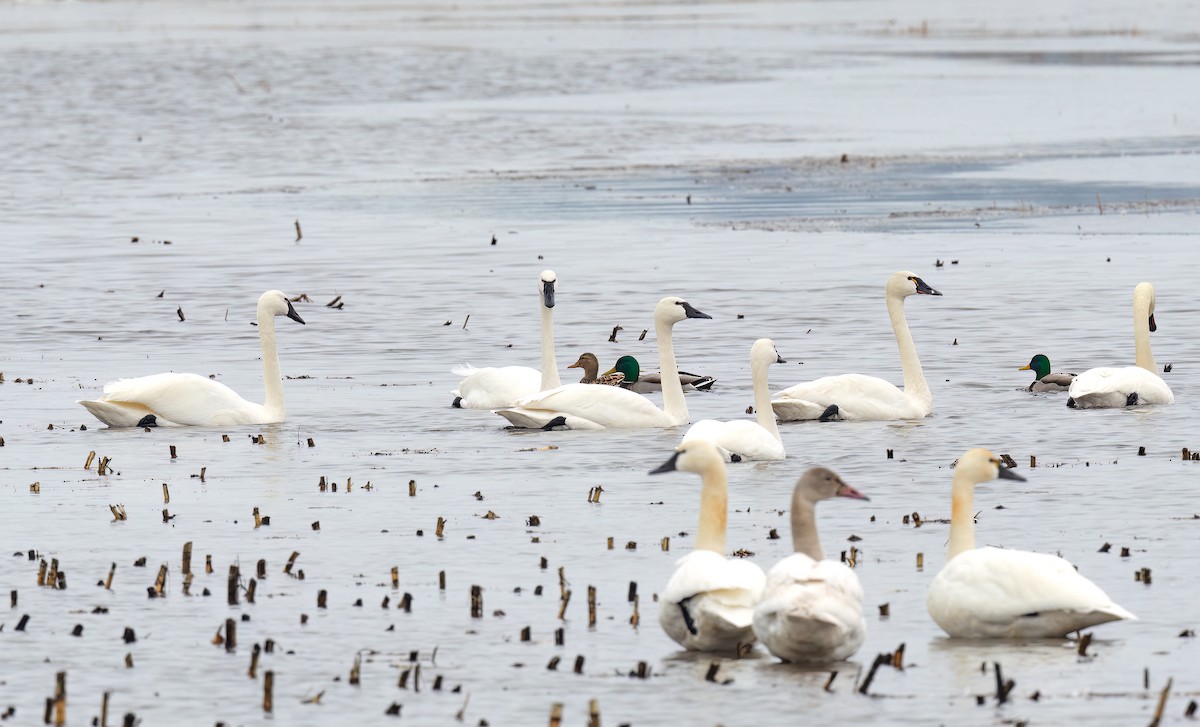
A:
x: 116, y: 413
x: 791, y: 410
x: 463, y: 370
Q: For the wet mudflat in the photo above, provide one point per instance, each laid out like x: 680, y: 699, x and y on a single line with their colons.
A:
x: 639, y: 150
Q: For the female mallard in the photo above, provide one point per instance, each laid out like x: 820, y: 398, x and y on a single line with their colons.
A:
x: 1044, y: 380
x: 591, y: 366
x: 635, y: 380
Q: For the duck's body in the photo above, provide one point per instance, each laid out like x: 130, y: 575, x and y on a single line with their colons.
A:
x: 172, y: 399
x: 993, y: 593
x: 1045, y: 382
x: 860, y: 397
x: 647, y: 383
x: 708, y: 603
x: 1106, y: 388
x: 583, y: 406
x: 749, y: 440
x: 811, y: 608
x: 494, y: 387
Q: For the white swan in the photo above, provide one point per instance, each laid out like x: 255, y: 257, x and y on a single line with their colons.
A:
x: 193, y: 400
x: 988, y: 592
x: 811, y: 608
x: 855, y: 396
x: 584, y: 406
x: 708, y: 604
x: 750, y: 440
x: 494, y: 387
x: 1128, y: 385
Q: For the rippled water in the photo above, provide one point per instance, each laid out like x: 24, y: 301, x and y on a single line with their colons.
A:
x: 638, y: 149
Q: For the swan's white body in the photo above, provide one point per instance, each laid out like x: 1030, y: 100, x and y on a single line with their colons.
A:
x: 495, y: 387
x: 1112, y: 387
x: 811, y: 608
x: 859, y: 397
x: 708, y: 603
x: 585, y: 406
x: 193, y: 400
x: 751, y: 440
x: 993, y: 593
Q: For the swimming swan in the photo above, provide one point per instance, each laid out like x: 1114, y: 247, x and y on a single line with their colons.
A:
x: 750, y: 440
x: 583, y: 406
x: 988, y: 593
x: 494, y: 387
x: 643, y: 383
x: 854, y: 396
x: 708, y: 604
x: 194, y: 400
x: 1128, y: 385
x: 1043, y: 380
x: 811, y: 608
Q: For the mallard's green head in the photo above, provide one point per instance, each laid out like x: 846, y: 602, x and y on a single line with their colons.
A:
x: 627, y: 365
x: 1040, y: 366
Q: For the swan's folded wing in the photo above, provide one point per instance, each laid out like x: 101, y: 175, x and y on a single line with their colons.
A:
x: 744, y: 437
x: 606, y: 406
x: 857, y: 397
x: 491, y: 388
x: 1000, y: 586
x: 188, y: 399
x: 811, y: 610
x: 737, y: 583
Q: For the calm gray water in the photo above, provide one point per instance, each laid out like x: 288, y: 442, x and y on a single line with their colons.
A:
x: 1050, y: 152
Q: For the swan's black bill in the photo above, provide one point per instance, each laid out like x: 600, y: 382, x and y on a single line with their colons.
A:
x: 778, y: 358
x: 923, y: 288
x: 548, y: 293
x: 293, y: 314
x: 692, y: 312
x: 1153, y: 325
x: 668, y: 466
x: 1007, y: 474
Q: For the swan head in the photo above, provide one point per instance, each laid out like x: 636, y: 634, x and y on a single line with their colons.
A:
x: 763, y: 351
x: 982, y: 465
x: 1143, y: 302
x: 1039, y: 364
x: 819, y: 483
x: 627, y: 365
x: 903, y: 284
x: 697, y: 456
x: 671, y: 310
x: 275, y: 303
x: 546, y: 287
x: 586, y: 361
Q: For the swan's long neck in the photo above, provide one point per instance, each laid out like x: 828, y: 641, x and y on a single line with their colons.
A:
x: 1141, y: 335
x: 914, y: 377
x: 762, y: 397
x: 962, y: 518
x: 714, y: 504
x: 804, y: 529
x: 674, y: 404
x: 272, y: 380
x: 549, y: 365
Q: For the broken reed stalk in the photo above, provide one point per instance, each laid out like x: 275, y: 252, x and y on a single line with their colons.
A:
x: 107, y: 581
x: 251, y: 587
x: 395, y: 577
x: 1162, y: 703
x: 187, y: 558
x: 291, y: 562
x: 173, y: 454
x: 880, y: 660
x: 441, y: 524
x: 556, y: 712
x: 593, y: 713
x: 476, y: 602
x: 208, y: 569
x: 104, y: 709
x: 262, y: 569
x: 635, y: 618
x: 562, y: 609
x: 230, y: 635
x: 253, y: 671
x: 591, y: 606
x: 91, y: 456
x: 412, y: 488
x: 441, y: 580
x: 268, y: 686
x: 1003, y: 686
x: 356, y: 670
x: 231, y: 588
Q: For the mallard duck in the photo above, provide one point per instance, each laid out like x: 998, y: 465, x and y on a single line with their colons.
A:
x: 635, y: 380
x: 1128, y: 385
x: 1043, y: 380
x: 591, y: 367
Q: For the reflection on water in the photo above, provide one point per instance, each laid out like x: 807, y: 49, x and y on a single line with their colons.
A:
x: 638, y: 150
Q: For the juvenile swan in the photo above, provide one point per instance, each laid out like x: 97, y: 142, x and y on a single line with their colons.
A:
x: 1043, y: 380
x: 811, y: 608
x: 989, y: 593
x: 1101, y: 388
x: 855, y: 396
x: 492, y: 387
x: 583, y: 406
x: 708, y: 604
x: 193, y: 400
x: 750, y: 440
